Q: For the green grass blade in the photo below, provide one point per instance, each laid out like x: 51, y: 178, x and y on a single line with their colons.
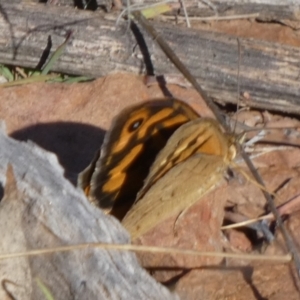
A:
x: 78, y: 79
x: 156, y: 10
x: 40, y: 78
x: 44, y: 289
x: 56, y: 55
x: 6, y: 73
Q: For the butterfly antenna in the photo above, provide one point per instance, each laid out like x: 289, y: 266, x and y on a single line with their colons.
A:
x: 238, y: 82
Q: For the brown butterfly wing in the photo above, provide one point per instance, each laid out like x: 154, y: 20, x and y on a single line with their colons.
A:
x: 84, y: 178
x: 193, y: 178
x: 191, y: 163
x: 136, y: 136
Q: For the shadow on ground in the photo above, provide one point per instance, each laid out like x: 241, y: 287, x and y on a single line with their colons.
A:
x: 74, y: 143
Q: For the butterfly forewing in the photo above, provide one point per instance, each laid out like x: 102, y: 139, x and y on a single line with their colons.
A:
x: 136, y: 136
x: 197, y: 136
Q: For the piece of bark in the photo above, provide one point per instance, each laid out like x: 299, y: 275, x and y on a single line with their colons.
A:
x: 41, y: 209
x: 268, y: 11
x: 269, y: 71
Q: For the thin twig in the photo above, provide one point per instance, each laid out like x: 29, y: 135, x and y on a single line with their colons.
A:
x: 215, y: 18
x: 288, y: 240
x: 186, y: 16
x: 181, y: 67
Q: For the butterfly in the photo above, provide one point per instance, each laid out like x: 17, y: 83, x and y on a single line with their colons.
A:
x: 145, y: 144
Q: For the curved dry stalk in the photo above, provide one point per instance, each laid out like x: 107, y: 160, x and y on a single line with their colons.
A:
x: 150, y: 249
x: 283, y: 209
